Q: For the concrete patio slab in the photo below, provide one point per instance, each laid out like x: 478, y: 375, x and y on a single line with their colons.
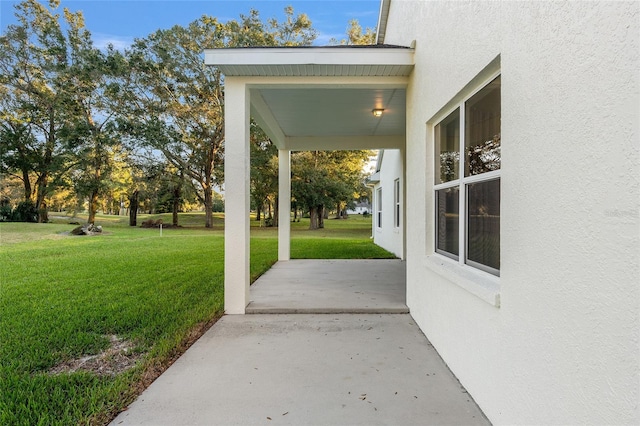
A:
x: 302, y: 369
x: 331, y: 286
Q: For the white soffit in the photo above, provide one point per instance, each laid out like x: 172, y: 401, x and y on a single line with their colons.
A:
x: 356, y: 61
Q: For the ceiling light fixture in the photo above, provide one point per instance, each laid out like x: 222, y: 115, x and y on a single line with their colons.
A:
x: 377, y: 112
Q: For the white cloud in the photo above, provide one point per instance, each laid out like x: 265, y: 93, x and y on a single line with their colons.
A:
x: 101, y: 41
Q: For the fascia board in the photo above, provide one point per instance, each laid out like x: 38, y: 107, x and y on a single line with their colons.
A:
x: 312, y: 56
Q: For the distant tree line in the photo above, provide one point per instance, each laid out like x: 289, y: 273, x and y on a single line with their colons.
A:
x: 141, y: 129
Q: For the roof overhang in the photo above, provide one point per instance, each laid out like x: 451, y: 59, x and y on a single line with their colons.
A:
x: 376, y: 60
x: 313, y: 98
x: 373, y: 179
x: 382, y: 21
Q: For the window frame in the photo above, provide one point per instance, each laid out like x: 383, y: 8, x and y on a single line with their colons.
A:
x: 379, y: 208
x: 396, y: 204
x: 462, y: 182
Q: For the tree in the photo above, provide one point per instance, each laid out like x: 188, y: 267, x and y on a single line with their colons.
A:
x: 326, y: 178
x: 264, y: 171
x: 355, y: 36
x: 311, y: 186
x: 176, y: 103
x: 155, y: 186
x: 16, y: 152
x: 93, y: 134
x: 251, y: 31
x: 34, y: 59
x: 118, y: 181
x: 55, y: 88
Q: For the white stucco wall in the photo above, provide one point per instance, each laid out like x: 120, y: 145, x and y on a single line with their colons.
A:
x: 563, y: 346
x: 390, y: 237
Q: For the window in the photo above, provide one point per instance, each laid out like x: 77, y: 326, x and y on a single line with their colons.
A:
x: 396, y: 201
x: 379, y: 207
x: 467, y: 180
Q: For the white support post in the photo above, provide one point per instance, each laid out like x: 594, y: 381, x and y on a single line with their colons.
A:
x: 236, y: 171
x: 284, y: 204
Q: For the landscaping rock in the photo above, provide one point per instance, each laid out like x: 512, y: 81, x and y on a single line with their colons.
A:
x: 78, y: 231
x: 89, y: 229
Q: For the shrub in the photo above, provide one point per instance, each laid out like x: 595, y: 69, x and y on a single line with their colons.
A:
x: 25, y: 211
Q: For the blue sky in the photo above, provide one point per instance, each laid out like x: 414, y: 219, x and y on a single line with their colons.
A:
x: 120, y: 21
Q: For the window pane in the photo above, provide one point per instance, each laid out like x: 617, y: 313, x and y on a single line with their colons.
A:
x: 379, y: 207
x: 447, y: 141
x: 482, y: 130
x: 483, y: 223
x: 396, y: 199
x: 447, y: 208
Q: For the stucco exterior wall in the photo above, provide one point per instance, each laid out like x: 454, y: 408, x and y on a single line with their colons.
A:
x: 563, y: 346
x: 390, y: 237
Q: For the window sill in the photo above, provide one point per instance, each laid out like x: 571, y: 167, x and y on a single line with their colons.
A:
x: 482, y: 285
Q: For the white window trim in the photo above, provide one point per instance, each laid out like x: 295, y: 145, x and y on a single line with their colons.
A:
x: 379, y: 208
x: 462, y: 183
x: 481, y: 284
x: 397, y: 222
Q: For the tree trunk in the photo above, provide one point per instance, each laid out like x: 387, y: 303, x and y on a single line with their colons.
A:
x: 321, y: 216
x: 133, y: 208
x: 41, y: 205
x: 93, y: 197
x: 27, y: 184
x: 43, y: 179
x: 208, y: 206
x: 275, y: 213
x: 258, y: 212
x: 313, y: 218
x: 177, y: 194
x: 93, y: 206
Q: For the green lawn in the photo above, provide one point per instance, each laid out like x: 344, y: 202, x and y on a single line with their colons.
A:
x: 63, y: 298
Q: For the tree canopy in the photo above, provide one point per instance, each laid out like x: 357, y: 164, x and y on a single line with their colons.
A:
x: 142, y: 127
x: 323, y: 180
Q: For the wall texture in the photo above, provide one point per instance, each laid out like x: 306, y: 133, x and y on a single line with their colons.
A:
x: 563, y: 346
x: 389, y: 237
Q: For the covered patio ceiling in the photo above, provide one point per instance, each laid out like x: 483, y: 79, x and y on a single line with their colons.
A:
x: 321, y: 98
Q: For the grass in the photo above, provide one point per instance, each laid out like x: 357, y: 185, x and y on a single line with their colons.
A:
x: 340, y: 239
x: 62, y: 296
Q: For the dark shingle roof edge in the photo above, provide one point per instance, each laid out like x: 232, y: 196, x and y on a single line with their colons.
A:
x: 339, y: 46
